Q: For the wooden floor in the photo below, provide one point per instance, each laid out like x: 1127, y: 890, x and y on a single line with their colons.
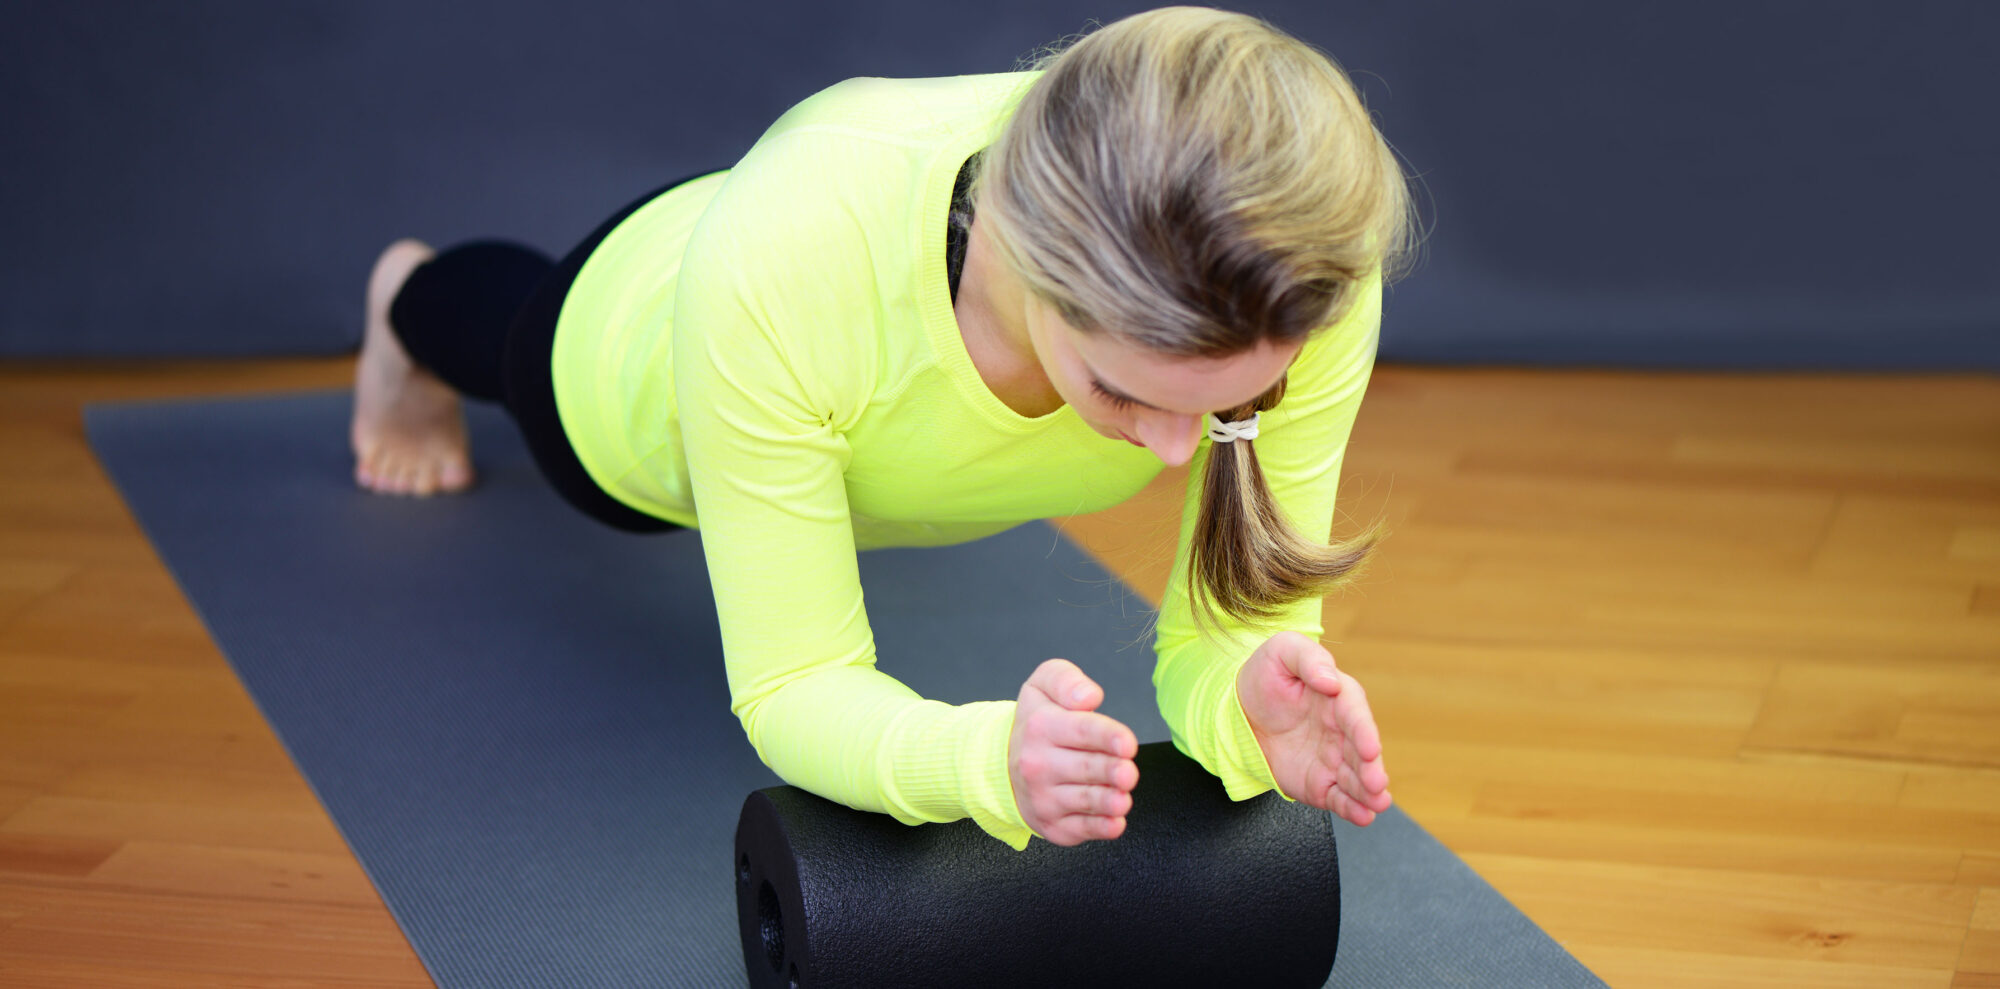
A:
x: 1701, y: 671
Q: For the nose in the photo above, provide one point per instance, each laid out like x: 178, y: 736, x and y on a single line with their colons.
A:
x: 1172, y: 438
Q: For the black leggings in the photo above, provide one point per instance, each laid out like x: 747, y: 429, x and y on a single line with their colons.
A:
x: 482, y: 317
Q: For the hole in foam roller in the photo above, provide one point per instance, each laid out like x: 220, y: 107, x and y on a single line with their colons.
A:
x: 795, y: 977
x: 771, y: 925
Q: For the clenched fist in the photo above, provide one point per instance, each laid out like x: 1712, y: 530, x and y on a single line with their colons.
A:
x: 1071, y: 767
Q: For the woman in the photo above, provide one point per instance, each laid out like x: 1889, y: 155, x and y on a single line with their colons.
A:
x: 924, y: 311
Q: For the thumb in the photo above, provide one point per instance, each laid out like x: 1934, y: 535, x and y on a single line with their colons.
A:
x: 1308, y: 661
x: 1064, y: 683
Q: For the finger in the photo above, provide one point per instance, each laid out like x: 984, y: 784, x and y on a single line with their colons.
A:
x: 1062, y: 682
x: 1371, y: 780
x: 1097, y: 801
x: 1074, y: 766
x: 1355, y: 813
x: 1363, y: 791
x: 1093, y: 732
x: 1334, y: 791
x: 1079, y: 828
x: 1364, y: 779
x: 1370, y: 774
x: 1376, y: 803
x: 1373, y: 773
x: 1355, y: 720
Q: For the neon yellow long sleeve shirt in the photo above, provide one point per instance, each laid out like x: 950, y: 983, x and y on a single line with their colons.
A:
x: 769, y: 354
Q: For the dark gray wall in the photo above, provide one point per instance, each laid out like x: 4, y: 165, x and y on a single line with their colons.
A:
x: 1746, y: 184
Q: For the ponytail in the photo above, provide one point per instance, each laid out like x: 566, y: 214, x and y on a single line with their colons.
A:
x: 1246, y: 561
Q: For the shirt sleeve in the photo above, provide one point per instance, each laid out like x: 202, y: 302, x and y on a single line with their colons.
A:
x: 1300, y: 447
x: 767, y: 379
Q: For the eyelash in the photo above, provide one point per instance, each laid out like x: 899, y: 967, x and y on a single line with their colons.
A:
x: 1117, y: 401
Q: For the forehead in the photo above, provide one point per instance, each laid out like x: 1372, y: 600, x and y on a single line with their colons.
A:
x: 1188, y: 385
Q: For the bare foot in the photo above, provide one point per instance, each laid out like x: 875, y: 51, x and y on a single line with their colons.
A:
x: 409, y: 432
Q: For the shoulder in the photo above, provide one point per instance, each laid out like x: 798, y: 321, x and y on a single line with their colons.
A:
x: 896, y: 111
x: 841, y: 171
x: 858, y: 135
x: 1338, y: 357
x: 814, y: 237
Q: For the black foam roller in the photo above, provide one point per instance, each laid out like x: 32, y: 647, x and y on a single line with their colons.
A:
x: 1199, y: 891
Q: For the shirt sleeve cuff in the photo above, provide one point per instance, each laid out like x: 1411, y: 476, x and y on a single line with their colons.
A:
x: 953, y: 764
x: 989, y: 795
x: 1246, y: 772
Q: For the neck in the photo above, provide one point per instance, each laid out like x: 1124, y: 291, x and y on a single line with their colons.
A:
x: 992, y: 311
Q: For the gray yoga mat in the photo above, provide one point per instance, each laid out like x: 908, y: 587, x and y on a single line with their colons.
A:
x: 518, y: 718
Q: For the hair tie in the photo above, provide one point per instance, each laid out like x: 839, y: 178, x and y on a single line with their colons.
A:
x: 1230, y: 432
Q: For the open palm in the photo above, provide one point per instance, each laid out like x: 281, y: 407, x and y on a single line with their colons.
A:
x: 1315, y: 727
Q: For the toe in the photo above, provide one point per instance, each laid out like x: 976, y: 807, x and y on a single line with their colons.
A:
x: 423, y: 479
x: 395, y: 479
x: 455, y: 476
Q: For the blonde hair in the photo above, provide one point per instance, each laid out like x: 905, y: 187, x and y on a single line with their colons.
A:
x: 1198, y: 182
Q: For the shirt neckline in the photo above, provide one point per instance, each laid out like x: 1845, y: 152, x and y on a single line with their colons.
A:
x: 939, y: 316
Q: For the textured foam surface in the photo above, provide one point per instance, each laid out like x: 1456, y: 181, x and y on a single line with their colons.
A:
x: 1199, y: 891
x: 518, y: 718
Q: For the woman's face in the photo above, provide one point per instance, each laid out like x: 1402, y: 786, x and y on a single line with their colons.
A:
x: 1125, y: 391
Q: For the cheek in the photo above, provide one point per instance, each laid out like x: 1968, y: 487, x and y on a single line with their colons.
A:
x: 1078, y: 392
x: 1072, y: 380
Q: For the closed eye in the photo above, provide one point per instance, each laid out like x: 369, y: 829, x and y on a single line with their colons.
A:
x: 1117, y: 401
